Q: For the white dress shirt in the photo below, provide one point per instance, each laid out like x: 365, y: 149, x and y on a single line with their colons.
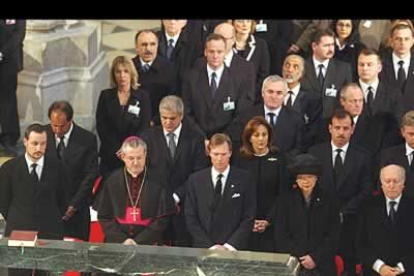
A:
x: 40, y: 165
x: 408, y: 151
x: 175, y: 38
x: 177, y: 132
x: 219, y: 73
x: 228, y: 58
x: 325, y: 64
x: 342, y: 154
x: 406, y: 65
x: 67, y: 136
x: 295, y: 94
x: 275, y: 111
x: 364, y: 87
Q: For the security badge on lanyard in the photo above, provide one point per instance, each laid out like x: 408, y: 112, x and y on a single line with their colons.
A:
x: 134, y: 109
x: 229, y: 105
x: 331, y: 92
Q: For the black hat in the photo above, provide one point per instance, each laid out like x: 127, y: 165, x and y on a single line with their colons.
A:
x: 305, y: 164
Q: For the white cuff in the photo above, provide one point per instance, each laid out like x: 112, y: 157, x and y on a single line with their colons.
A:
x: 213, y: 247
x: 377, y: 265
x: 229, y: 247
x: 401, y: 267
x: 176, y: 198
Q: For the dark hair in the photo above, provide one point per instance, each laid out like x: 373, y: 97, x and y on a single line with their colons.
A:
x: 370, y: 52
x: 353, y: 36
x: 61, y: 106
x: 36, y: 127
x: 145, y: 31
x: 219, y: 139
x: 318, y: 34
x: 401, y: 26
x: 341, y: 113
x: 214, y: 36
x: 246, y: 148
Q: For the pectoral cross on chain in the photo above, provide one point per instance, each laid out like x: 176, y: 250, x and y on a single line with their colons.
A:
x: 134, y: 214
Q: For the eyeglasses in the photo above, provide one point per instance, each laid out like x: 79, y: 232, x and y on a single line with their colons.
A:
x: 342, y: 25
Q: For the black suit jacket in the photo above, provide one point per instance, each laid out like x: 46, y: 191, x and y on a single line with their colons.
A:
x: 189, y: 157
x: 183, y: 56
x: 81, y: 161
x: 234, y: 217
x: 11, y: 44
x: 209, y: 113
x: 37, y: 206
x: 388, y: 75
x: 337, y: 75
x: 378, y: 239
x: 397, y: 155
x: 355, y: 183
x: 257, y: 53
x: 115, y: 123
x: 313, y: 230
x: 158, y: 81
x: 288, y: 133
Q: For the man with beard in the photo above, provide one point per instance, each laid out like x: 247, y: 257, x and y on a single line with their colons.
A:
x: 33, y: 192
x: 308, y: 103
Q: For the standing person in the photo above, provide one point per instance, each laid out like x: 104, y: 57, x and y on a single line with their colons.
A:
x: 34, y: 191
x: 384, y: 242
x: 122, y: 110
x: 307, y: 222
x: 268, y: 167
x: 12, y: 34
x: 177, y: 150
x: 134, y: 207
x: 156, y: 74
x: 221, y: 201
x: 76, y: 147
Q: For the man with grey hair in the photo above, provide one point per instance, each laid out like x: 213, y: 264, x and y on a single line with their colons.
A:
x: 288, y: 124
x: 384, y: 240
x: 134, y: 207
x: 177, y: 150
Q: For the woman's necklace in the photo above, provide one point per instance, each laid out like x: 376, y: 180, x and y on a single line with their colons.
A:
x: 135, y: 210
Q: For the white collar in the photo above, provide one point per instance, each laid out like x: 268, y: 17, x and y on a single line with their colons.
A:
x: 215, y: 173
x: 228, y: 58
x: 67, y: 136
x: 340, y: 47
x: 398, y: 199
x: 408, y: 149
x: 365, y: 86
x: 175, y: 38
x: 316, y: 62
x: 143, y: 62
x: 275, y: 111
x: 176, y: 131
x: 40, y: 163
x: 295, y: 90
x: 218, y: 71
x: 344, y: 148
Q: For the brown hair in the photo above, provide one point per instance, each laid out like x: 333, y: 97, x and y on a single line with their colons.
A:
x: 341, y: 113
x: 251, y: 127
x: 219, y: 139
x: 370, y: 52
x: 36, y: 127
x: 318, y: 34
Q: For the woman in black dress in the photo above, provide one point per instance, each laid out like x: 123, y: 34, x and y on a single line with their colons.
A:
x: 267, y: 165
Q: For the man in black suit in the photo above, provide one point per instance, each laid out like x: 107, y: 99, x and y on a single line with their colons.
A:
x: 243, y: 71
x: 33, y: 191
x: 308, y: 103
x: 176, y: 45
x: 77, y: 150
x: 211, y: 96
x: 177, y: 150
x: 156, y: 74
x: 402, y: 155
x: 221, y: 201
x: 287, y: 123
x: 324, y: 74
x: 398, y: 66
x: 384, y: 241
x: 347, y: 174
x: 12, y: 33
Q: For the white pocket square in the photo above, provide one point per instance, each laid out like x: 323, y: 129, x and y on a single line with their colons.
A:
x: 235, y: 195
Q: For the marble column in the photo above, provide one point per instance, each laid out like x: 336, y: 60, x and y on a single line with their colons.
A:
x: 63, y: 60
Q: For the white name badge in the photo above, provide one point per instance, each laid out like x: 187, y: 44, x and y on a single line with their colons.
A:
x: 331, y: 92
x: 262, y: 27
x: 367, y: 24
x: 134, y: 109
x: 229, y: 105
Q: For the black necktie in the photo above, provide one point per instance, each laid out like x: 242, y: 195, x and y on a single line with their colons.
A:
x: 61, y: 147
x: 33, y: 173
x: 338, y: 164
x: 145, y: 67
x: 321, y: 78
x: 213, y: 84
x: 370, y: 99
x: 289, y: 101
x: 217, y: 192
x: 272, y: 118
x: 170, y: 48
x: 401, y: 75
x: 391, y: 214
x: 171, y: 143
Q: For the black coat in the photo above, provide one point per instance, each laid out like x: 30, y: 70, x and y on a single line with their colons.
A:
x: 337, y: 75
x: 155, y: 203
x: 234, y: 217
x: 388, y: 75
x: 288, y: 133
x: 81, y: 161
x: 355, y: 183
x: 208, y: 113
x: 257, y: 53
x: 378, y: 239
x: 114, y: 123
x: 313, y: 230
x: 158, y: 81
x: 37, y: 206
x: 271, y: 178
x: 11, y: 44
